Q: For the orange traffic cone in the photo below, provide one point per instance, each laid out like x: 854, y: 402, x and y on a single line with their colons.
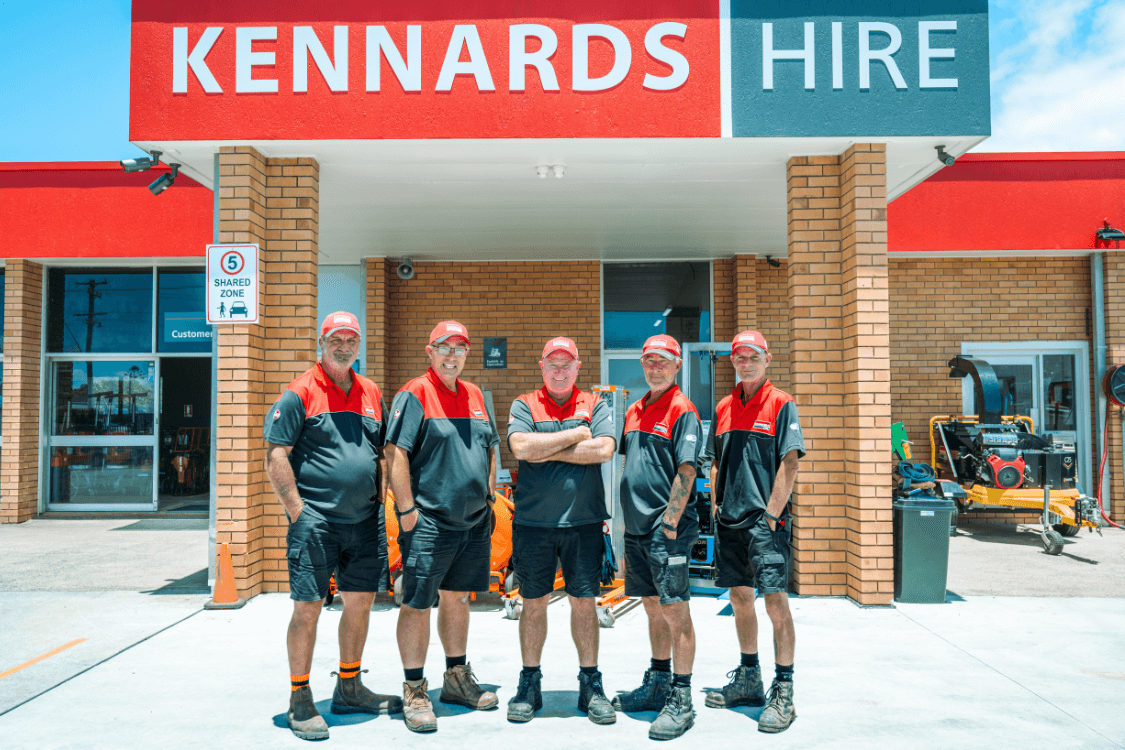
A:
x: 224, y: 596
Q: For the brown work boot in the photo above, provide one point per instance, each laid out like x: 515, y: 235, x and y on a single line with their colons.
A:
x: 417, y: 709
x: 303, y: 717
x: 459, y: 685
x: 779, y: 712
x: 352, y: 697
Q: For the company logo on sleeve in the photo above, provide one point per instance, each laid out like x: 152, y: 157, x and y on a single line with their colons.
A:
x: 689, y: 438
x: 276, y: 413
x: 397, y: 412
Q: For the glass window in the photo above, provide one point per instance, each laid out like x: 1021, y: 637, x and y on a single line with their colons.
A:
x: 181, y: 311
x: 644, y: 299
x: 119, y: 403
x: 103, y: 475
x: 99, y: 310
x: 1058, y: 382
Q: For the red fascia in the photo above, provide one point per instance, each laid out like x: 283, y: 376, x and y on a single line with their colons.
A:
x: 95, y: 210
x: 1030, y: 201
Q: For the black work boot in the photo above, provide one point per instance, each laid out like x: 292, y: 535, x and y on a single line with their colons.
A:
x: 744, y: 689
x: 650, y: 696
x: 351, y: 697
x: 303, y: 718
x: 779, y: 712
x: 675, y: 718
x: 528, y: 698
x: 592, y: 700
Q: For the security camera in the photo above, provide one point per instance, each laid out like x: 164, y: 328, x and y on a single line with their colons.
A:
x: 164, y: 181
x: 946, y: 159
x: 406, y: 270
x: 142, y: 163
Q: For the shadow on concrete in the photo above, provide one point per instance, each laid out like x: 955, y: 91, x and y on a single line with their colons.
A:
x: 196, y: 583
x: 165, y: 524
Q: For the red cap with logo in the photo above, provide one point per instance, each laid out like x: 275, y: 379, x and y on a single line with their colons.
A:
x: 560, y: 344
x: 752, y: 339
x: 339, y: 321
x: 662, y: 344
x: 447, y: 329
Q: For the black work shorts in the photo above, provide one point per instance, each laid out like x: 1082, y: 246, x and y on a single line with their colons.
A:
x: 754, y: 556
x: 658, y: 566
x: 357, y: 552
x: 537, y: 552
x: 447, y: 559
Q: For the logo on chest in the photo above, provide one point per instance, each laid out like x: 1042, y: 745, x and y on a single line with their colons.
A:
x: 661, y: 429
x: 761, y: 426
x: 478, y: 414
x: 583, y: 413
x: 369, y: 411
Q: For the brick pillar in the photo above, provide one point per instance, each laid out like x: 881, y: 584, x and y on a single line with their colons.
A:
x: 726, y: 300
x: 865, y: 321
x: 1114, y: 289
x: 273, y: 203
x: 746, y: 289
x: 815, y: 374
x: 19, y: 466
x: 376, y: 272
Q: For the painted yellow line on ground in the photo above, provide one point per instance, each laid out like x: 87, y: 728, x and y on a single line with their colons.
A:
x: 38, y: 659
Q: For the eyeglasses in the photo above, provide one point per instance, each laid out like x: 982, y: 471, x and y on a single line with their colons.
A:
x: 445, y: 351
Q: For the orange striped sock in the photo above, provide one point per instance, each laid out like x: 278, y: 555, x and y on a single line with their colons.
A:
x: 347, y: 671
x: 298, y: 681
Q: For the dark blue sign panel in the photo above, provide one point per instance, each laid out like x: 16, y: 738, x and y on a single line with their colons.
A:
x: 802, y: 68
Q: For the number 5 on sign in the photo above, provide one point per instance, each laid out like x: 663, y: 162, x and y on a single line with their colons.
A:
x: 232, y: 283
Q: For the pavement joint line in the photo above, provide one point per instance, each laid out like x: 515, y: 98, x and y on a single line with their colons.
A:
x: 1061, y: 710
x: 103, y: 661
x: 41, y: 657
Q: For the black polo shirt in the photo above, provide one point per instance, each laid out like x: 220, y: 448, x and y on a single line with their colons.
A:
x: 558, y: 494
x: 750, y: 442
x: 656, y: 441
x: 447, y: 436
x: 337, y: 441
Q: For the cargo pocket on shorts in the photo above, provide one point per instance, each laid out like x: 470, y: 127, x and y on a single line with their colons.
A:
x: 674, y: 581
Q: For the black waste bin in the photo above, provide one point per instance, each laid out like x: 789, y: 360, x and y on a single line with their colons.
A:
x: 921, y: 533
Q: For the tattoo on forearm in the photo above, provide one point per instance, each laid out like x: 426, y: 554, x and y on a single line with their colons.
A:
x: 681, y: 490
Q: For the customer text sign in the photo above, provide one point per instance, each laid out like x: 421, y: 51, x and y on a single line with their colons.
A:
x: 232, y: 283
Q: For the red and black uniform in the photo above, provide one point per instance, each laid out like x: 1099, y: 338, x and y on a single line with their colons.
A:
x: 748, y: 443
x: 337, y: 442
x: 656, y: 441
x: 447, y: 437
x: 559, y: 506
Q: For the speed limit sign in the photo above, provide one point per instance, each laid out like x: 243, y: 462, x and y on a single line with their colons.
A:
x: 232, y: 283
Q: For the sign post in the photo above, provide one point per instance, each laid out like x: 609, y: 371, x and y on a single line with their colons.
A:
x: 232, y: 283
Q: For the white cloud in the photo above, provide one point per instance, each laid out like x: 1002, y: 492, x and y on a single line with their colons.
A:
x: 1062, y: 87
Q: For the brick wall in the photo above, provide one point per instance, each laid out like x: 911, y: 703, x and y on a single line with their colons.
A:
x: 727, y: 299
x: 19, y: 465
x: 1114, y: 290
x: 274, y: 203
x: 936, y: 305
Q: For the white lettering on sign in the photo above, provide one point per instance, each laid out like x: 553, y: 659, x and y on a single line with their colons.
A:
x: 926, y: 53
x: 245, y: 58
x: 867, y: 55
x: 769, y: 54
x: 407, y: 68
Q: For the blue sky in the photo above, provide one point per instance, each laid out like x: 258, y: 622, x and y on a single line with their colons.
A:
x: 1058, y: 78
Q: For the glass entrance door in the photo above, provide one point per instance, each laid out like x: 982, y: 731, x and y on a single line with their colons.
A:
x: 1047, y: 382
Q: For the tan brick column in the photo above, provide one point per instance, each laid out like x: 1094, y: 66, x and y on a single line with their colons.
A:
x: 815, y: 373
x: 726, y: 299
x: 865, y: 320
x: 274, y: 203
x: 19, y: 466
x: 1114, y: 287
x: 746, y: 290
x: 376, y: 329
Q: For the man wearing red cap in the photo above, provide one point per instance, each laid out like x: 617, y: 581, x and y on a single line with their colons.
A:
x: 561, y: 436
x: 441, y: 457
x: 754, y: 445
x: 324, y: 438
x: 661, y: 445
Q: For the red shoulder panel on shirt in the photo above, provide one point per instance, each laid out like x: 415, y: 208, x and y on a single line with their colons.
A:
x: 321, y: 396
x: 661, y: 417
x: 438, y: 402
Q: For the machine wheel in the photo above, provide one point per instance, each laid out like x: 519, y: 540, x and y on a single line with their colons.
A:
x: 399, y: 593
x: 1052, y: 542
x: 606, y: 618
x: 1066, y: 529
x: 513, y: 608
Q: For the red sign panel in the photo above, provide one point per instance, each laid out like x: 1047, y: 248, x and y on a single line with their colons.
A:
x: 255, y: 70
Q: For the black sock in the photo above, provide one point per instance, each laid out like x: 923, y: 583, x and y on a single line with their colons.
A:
x: 681, y: 680
x: 589, y: 670
x: 454, y: 661
x: 661, y: 665
x: 750, y: 660
x: 530, y: 670
x: 413, y: 675
x: 783, y: 674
